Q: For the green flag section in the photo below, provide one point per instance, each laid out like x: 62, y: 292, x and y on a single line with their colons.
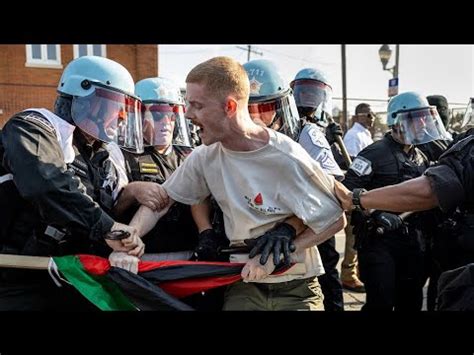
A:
x: 98, y: 289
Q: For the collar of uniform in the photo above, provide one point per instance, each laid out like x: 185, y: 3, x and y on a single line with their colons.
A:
x: 398, y: 144
x: 152, y: 149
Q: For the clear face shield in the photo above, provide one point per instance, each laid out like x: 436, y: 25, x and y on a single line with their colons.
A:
x: 164, y: 124
x: 419, y: 126
x: 110, y: 116
x: 279, y: 114
x: 468, y: 120
x: 314, y: 95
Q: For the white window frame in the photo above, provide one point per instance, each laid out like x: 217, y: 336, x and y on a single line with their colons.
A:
x: 90, y: 50
x: 44, y: 62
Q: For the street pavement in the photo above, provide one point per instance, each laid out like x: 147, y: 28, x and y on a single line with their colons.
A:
x: 353, y: 301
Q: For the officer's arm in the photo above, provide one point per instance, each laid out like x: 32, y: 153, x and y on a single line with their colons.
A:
x: 34, y: 157
x: 412, y: 195
x: 145, y: 193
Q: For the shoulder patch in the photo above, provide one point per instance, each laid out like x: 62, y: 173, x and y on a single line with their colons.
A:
x: 318, y: 138
x: 36, y: 118
x: 361, y: 166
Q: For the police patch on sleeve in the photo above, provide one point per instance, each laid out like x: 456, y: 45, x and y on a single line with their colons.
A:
x: 328, y: 164
x: 361, y: 166
x: 318, y: 138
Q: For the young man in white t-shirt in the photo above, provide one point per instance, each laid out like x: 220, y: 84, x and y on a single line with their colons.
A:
x: 258, y: 177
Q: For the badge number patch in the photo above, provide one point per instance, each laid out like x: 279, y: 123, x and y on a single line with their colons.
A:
x: 361, y: 166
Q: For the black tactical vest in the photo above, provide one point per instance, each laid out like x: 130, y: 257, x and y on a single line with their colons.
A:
x: 176, y: 230
x: 152, y: 166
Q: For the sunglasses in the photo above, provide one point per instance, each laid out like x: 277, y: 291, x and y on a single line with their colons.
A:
x: 368, y: 115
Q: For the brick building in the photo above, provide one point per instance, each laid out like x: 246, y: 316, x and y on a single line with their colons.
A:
x: 29, y: 74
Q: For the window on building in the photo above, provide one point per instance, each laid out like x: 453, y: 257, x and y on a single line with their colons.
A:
x: 89, y: 49
x: 43, y: 55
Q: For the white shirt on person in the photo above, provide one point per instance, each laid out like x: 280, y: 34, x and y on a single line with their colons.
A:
x: 258, y: 189
x: 357, y: 138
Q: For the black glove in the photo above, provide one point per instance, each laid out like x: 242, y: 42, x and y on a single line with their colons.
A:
x: 332, y: 130
x: 208, y: 246
x: 388, y: 221
x: 277, y: 240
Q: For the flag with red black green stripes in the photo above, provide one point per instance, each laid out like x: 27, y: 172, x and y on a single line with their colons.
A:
x: 159, y: 285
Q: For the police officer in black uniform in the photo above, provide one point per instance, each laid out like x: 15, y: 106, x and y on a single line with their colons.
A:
x: 435, y: 237
x: 435, y: 148
x: 391, y: 265
x: 166, y: 145
x: 59, y: 183
x: 448, y: 185
x: 452, y: 183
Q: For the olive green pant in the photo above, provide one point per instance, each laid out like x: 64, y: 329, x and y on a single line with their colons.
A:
x: 296, y: 295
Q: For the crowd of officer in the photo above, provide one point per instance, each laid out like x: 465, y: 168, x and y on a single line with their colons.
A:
x: 71, y: 181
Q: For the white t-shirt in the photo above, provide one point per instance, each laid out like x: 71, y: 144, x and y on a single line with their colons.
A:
x: 258, y: 189
x: 357, y: 138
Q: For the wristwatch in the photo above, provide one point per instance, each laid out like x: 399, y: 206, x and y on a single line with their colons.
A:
x: 356, y: 199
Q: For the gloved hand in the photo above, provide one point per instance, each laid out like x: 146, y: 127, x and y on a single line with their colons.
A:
x: 388, y: 221
x: 332, y: 130
x: 278, y: 240
x: 208, y: 246
x: 124, y: 261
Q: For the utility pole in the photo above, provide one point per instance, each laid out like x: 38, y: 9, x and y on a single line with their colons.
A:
x: 249, y: 51
x: 397, y: 56
x: 344, y: 87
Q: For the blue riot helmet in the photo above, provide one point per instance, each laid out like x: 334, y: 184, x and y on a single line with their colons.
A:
x: 163, y: 118
x: 468, y: 120
x: 413, y: 121
x: 313, y: 95
x: 271, y: 100
x: 101, y: 102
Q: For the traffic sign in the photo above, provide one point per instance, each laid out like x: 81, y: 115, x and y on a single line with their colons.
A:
x: 393, y: 87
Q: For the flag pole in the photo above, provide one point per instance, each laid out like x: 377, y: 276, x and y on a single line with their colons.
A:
x: 24, y: 261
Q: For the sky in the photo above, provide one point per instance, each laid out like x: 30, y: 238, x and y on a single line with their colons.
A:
x: 429, y: 69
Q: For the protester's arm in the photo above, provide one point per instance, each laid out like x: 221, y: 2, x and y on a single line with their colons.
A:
x: 253, y: 270
x: 297, y: 224
x: 201, y: 213
x: 145, y: 219
x: 309, y: 238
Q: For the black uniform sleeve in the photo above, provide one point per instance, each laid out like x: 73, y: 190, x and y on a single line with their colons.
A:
x: 361, y: 171
x: 453, y: 178
x: 34, y: 157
